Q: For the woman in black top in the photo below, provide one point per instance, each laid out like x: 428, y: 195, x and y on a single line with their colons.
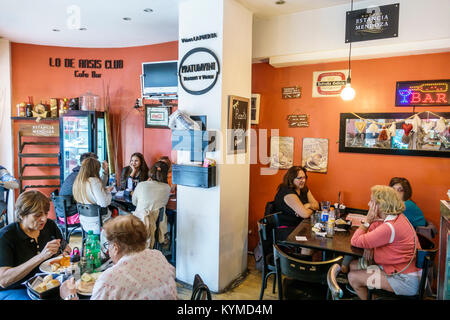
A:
x: 25, y: 244
x: 293, y: 198
x: 136, y: 172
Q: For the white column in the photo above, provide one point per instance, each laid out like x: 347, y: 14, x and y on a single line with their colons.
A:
x: 6, y: 143
x: 212, y: 224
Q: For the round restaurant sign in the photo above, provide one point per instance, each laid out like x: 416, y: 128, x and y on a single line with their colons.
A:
x: 198, y: 71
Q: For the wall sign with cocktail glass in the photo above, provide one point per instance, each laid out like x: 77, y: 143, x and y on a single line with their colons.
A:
x: 416, y: 134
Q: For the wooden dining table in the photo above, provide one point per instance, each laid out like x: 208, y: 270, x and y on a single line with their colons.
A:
x: 340, y: 243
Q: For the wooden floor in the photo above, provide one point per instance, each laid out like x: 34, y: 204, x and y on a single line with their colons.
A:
x: 247, y: 288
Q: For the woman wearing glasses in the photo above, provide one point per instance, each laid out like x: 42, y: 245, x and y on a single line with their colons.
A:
x: 412, y: 211
x: 138, y: 273
x: 293, y: 197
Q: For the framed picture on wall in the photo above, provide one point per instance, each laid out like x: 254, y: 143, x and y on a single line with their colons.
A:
x: 315, y: 154
x: 157, y: 117
x: 238, y: 123
x: 281, y: 152
x: 256, y: 99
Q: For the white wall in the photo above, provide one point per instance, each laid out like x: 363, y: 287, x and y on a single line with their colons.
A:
x: 319, y: 35
x: 212, y: 224
x: 6, y: 146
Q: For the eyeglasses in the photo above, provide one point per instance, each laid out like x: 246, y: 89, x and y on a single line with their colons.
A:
x: 301, y: 178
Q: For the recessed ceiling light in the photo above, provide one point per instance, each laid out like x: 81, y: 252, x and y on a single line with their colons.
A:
x: 148, y: 10
x: 82, y: 29
x: 127, y: 18
x: 280, y: 2
x: 56, y: 30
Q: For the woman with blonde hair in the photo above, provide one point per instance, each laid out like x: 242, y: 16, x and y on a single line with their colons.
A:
x: 138, y: 273
x: 25, y: 244
x: 88, y: 189
x: 392, y: 244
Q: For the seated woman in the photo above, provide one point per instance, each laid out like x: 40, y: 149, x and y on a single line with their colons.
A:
x: 136, y: 172
x: 293, y: 198
x: 88, y: 189
x: 138, y: 273
x: 393, y: 241
x: 412, y: 211
x: 148, y: 197
x: 25, y: 244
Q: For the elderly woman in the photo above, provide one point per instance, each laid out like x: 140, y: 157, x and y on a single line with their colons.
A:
x: 138, y: 273
x: 412, y: 211
x: 149, y: 197
x: 25, y: 244
x: 393, y: 241
x: 293, y: 197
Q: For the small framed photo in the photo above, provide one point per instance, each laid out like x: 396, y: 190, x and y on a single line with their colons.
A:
x: 256, y: 98
x: 156, y: 117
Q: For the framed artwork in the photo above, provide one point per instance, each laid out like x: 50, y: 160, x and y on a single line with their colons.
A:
x: 156, y: 117
x: 256, y: 98
x: 411, y: 134
x: 281, y: 152
x: 238, y: 123
x: 315, y: 154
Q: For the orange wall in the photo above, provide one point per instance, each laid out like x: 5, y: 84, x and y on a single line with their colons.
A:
x: 351, y: 173
x: 32, y: 76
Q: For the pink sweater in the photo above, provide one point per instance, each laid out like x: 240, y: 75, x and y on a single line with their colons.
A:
x: 392, y: 241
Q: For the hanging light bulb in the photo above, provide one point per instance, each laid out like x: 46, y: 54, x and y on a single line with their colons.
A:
x: 348, y: 93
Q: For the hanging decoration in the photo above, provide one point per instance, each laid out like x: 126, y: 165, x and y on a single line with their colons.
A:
x: 424, y: 133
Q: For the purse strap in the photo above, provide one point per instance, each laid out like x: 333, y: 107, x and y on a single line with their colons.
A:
x: 415, y: 249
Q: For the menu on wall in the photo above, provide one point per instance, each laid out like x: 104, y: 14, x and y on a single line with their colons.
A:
x: 298, y: 120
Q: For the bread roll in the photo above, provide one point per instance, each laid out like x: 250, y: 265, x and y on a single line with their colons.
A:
x: 48, y: 278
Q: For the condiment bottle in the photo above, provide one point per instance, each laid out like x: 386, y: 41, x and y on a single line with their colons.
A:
x: 330, y: 223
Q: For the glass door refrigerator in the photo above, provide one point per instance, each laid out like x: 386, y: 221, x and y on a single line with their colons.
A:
x: 80, y: 132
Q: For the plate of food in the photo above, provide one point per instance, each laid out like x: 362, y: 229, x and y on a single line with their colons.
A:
x: 342, y: 225
x: 55, y: 265
x: 44, y: 287
x: 86, y: 283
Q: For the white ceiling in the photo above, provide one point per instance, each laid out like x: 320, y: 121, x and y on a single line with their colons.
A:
x: 32, y: 21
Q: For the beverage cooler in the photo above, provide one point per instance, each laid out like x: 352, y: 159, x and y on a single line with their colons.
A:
x: 80, y: 132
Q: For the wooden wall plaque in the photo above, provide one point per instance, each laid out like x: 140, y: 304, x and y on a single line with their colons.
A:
x: 291, y: 92
x: 298, y: 120
x: 39, y: 130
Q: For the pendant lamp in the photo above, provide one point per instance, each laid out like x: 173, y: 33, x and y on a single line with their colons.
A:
x: 348, y: 93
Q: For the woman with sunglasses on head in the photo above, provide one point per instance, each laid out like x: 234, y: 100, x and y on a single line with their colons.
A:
x: 293, y: 198
x: 25, y: 244
x: 412, y: 211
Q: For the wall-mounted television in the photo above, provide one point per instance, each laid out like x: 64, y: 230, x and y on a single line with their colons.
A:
x: 159, y: 80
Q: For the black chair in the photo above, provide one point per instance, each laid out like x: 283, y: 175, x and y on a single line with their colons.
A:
x: 335, y: 290
x: 266, y: 239
x: 425, y: 261
x: 64, y: 205
x: 429, y: 230
x: 91, y: 210
x: 200, y: 290
x: 303, y: 279
x: 4, y: 195
x: 172, y: 221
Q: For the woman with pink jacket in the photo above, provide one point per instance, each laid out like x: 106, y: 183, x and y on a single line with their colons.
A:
x: 391, y: 241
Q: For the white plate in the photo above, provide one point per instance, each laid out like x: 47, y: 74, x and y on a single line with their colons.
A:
x: 77, y: 283
x: 46, y: 266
